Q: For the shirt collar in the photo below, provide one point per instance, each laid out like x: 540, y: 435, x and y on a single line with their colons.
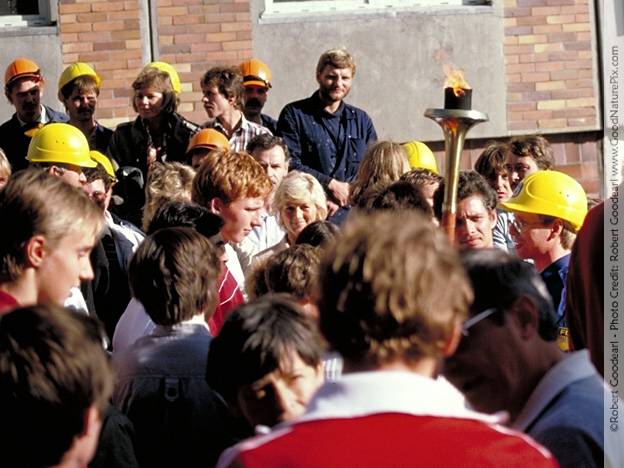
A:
x: 43, y: 117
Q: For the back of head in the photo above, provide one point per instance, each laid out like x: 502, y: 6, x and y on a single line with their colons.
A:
x: 185, y: 214
x: 53, y: 370
x: 36, y: 203
x: 293, y: 271
x: 229, y: 176
x: 318, y: 234
x: 381, y: 299
x: 174, y: 274
x: 498, y: 279
x: 401, y: 196
x: 256, y: 339
x: 384, y: 161
x: 470, y: 184
x: 535, y: 147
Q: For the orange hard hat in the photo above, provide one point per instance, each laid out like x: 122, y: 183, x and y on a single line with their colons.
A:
x: 256, y: 73
x: 21, y: 68
x: 208, y: 138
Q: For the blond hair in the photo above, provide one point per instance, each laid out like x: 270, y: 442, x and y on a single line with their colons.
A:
x: 301, y: 187
x: 337, y: 58
x: 36, y: 203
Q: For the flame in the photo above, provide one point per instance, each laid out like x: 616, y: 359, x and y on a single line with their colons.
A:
x: 455, y: 79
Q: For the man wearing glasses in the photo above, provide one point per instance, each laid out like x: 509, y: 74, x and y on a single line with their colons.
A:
x: 549, y: 210
x: 508, y: 360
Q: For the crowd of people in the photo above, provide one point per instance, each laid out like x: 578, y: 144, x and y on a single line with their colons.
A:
x: 265, y: 292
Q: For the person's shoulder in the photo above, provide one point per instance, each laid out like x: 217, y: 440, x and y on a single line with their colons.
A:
x: 356, y: 111
x: 9, y: 125
x: 185, y: 124
x: 56, y: 116
x: 304, y: 104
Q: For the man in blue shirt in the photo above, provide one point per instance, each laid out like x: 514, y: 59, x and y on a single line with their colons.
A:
x: 325, y: 136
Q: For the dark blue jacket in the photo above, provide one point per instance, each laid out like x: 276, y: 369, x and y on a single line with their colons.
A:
x: 15, y: 143
x: 315, y: 146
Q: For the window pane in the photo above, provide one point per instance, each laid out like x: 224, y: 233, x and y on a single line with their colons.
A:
x: 19, y: 7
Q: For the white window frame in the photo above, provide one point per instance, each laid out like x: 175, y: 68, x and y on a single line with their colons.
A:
x: 47, y: 15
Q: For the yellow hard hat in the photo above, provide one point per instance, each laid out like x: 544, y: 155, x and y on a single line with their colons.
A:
x: 60, y: 143
x: 550, y: 193
x: 76, y: 70
x: 208, y: 138
x: 420, y: 156
x: 103, y: 161
x: 169, y: 70
x: 256, y: 73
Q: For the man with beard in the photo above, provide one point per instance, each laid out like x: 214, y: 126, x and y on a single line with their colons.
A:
x: 257, y: 82
x: 325, y: 136
x: 79, y: 88
x: 23, y: 87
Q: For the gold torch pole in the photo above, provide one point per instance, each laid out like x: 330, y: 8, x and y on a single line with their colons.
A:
x: 455, y: 124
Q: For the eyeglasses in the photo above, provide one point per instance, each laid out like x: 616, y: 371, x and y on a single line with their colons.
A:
x: 472, y: 321
x: 520, y: 226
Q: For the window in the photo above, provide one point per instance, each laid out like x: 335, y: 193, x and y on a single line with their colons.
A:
x: 278, y: 7
x: 22, y: 13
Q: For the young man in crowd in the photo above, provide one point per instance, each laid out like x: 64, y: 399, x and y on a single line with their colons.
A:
x: 388, y: 407
x: 476, y: 211
x: 526, y: 155
x: 223, y: 92
x: 549, y: 210
x: 508, y: 360
x: 234, y: 186
x: 325, y: 136
x: 23, y: 87
x: 56, y: 382
x: 78, y: 90
x: 257, y: 82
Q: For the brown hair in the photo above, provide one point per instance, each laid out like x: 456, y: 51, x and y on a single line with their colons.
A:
x: 491, y: 161
x: 384, y: 161
x: 337, y: 58
x: 174, y: 275
x: 381, y: 299
x: 421, y: 176
x: 36, y: 203
x: 159, y: 81
x: 82, y: 83
x: 53, y: 369
x: 469, y: 184
x: 294, y: 271
x: 229, y: 176
x: 229, y: 82
x: 535, y: 147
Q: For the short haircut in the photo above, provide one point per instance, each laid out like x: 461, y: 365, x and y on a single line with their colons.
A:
x: 337, y: 58
x: 568, y: 233
x: 498, y: 279
x: 99, y: 173
x: 166, y: 181
x: 384, y: 161
x: 174, y: 274
x: 535, y: 147
x: 381, y: 298
x: 300, y: 187
x: 266, y: 141
x: 293, y: 271
x: 421, y: 177
x: 401, y: 196
x: 158, y: 80
x: 229, y: 176
x: 186, y: 214
x: 318, y: 234
x: 491, y: 161
x: 368, y: 197
x: 470, y: 184
x: 255, y: 340
x: 53, y: 369
x: 82, y: 83
x: 36, y: 203
x: 229, y: 82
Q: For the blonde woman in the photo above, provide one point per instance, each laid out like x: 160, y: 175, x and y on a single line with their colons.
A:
x: 299, y: 200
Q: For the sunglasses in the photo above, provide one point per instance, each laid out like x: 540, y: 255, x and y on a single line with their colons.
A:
x: 475, y: 319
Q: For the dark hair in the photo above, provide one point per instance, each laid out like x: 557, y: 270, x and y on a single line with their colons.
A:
x: 255, y: 340
x: 53, y: 369
x: 318, y: 233
x: 174, y: 274
x: 491, y: 161
x: 498, y: 279
x: 400, y: 196
x: 293, y: 270
x: 186, y: 214
x: 470, y: 184
x: 161, y: 81
x: 266, y: 141
x: 421, y: 176
x: 535, y: 147
x: 229, y: 82
x: 98, y: 172
x: 82, y: 83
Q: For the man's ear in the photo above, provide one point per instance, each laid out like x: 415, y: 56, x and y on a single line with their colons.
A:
x: 525, y: 314
x: 453, y: 341
x: 493, y: 217
x: 216, y: 206
x: 555, y: 229
x: 35, y: 250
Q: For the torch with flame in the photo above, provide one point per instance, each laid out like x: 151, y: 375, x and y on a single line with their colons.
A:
x: 457, y: 92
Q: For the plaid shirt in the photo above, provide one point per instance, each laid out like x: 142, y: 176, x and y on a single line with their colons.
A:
x: 244, y: 132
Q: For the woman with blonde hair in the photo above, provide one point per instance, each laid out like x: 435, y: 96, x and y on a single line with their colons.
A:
x: 299, y: 200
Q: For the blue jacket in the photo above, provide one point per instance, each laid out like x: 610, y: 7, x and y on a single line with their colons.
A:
x: 15, y: 143
x: 328, y: 146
